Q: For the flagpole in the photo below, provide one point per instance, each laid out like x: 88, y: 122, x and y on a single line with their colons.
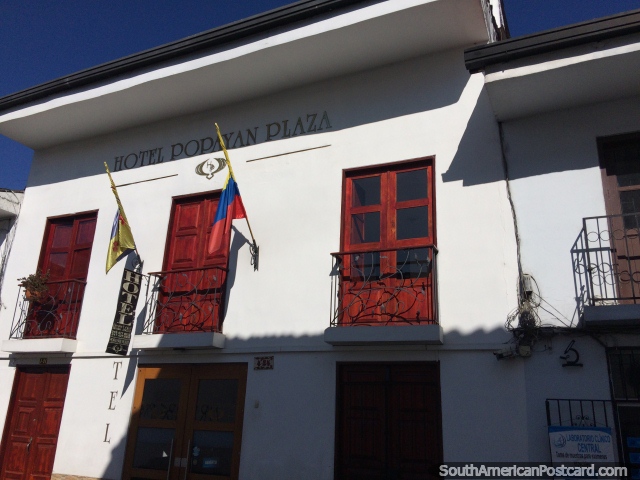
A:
x: 226, y: 156
x: 255, y: 251
x: 120, y: 208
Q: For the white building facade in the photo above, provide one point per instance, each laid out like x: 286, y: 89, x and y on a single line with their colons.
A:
x: 10, y: 201
x: 403, y: 208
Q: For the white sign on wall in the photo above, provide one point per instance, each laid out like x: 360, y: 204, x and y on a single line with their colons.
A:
x: 581, y: 444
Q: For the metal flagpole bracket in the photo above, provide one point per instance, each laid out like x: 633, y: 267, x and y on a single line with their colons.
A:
x: 137, y: 262
x: 255, y: 255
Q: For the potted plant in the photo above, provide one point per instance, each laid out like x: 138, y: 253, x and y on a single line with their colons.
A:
x: 35, y: 285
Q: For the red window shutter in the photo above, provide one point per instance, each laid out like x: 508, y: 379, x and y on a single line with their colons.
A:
x: 65, y: 255
x: 192, y: 282
x: 189, y: 233
x: 68, y: 247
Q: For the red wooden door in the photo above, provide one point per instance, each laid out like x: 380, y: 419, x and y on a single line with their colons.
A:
x: 31, y: 434
x: 388, y: 424
x: 620, y: 161
x: 193, y: 286
x: 387, y: 227
x: 66, y: 254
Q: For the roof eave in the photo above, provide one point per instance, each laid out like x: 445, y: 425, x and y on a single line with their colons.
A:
x: 288, y: 14
x: 480, y: 57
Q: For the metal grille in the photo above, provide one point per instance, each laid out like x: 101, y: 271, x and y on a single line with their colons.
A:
x: 385, y: 287
x: 189, y: 300
x: 624, y: 370
x: 606, y: 260
x: 53, y: 314
x: 579, y: 413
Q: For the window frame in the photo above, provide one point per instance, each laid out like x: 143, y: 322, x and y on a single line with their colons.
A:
x: 218, y: 260
x: 610, y: 186
x: 386, y: 243
x: 47, y: 238
x: 200, y: 283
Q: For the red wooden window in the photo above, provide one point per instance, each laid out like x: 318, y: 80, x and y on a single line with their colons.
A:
x: 389, y: 207
x: 190, y: 228
x: 68, y: 247
x: 192, y: 281
x: 388, y: 248
x: 65, y: 255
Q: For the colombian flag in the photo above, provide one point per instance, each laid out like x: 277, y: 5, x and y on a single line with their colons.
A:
x: 230, y: 207
x: 121, y: 240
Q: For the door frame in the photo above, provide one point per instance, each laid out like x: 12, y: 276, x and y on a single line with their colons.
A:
x: 184, y: 425
x: 624, y: 253
x: 20, y: 370
x: 438, y: 413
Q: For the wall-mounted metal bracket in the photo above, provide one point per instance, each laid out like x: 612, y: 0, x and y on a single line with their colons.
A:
x: 255, y: 255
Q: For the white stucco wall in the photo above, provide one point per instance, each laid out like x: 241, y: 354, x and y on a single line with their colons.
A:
x: 428, y: 106
x: 424, y: 107
x: 293, y: 201
x: 555, y: 183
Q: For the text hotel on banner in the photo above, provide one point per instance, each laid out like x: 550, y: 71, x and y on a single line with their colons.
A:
x: 125, y: 314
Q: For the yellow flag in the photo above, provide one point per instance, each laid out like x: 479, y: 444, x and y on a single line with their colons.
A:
x: 121, y: 240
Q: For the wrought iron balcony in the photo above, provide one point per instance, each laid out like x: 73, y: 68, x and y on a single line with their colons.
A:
x: 606, y: 261
x: 188, y: 300
x: 53, y: 314
x: 388, y: 287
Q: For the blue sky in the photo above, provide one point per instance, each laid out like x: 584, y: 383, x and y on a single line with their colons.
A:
x: 41, y: 40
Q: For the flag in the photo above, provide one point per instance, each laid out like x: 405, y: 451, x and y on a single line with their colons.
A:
x: 230, y: 207
x: 121, y: 240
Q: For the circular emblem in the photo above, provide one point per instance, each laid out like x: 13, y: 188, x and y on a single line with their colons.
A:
x: 560, y: 441
x: 210, y: 167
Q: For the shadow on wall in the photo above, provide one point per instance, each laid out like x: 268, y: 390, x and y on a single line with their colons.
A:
x: 538, y: 145
x: 291, y: 387
x: 144, y: 322
x: 478, y: 160
x: 397, y: 90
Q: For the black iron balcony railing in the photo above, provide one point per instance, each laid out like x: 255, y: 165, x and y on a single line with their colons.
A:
x: 606, y: 261
x: 53, y: 314
x: 562, y: 412
x: 386, y: 287
x: 188, y: 300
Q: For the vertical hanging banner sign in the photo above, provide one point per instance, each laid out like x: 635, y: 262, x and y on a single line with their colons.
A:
x: 125, y: 313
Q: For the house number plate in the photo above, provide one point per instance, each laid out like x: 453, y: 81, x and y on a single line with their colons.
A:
x: 263, y: 363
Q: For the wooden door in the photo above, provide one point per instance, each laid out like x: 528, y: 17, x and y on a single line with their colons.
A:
x: 387, y: 229
x: 33, y: 422
x: 192, y: 292
x: 65, y: 255
x: 187, y: 422
x: 388, y: 421
x: 620, y: 161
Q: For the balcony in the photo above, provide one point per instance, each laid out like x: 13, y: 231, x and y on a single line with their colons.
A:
x: 606, y: 269
x: 390, y: 295
x: 184, y: 309
x: 48, y: 323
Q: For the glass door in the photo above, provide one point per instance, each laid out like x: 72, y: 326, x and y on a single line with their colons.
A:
x: 187, y: 422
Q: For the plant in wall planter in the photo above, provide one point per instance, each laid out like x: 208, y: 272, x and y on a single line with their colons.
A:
x: 35, y: 285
